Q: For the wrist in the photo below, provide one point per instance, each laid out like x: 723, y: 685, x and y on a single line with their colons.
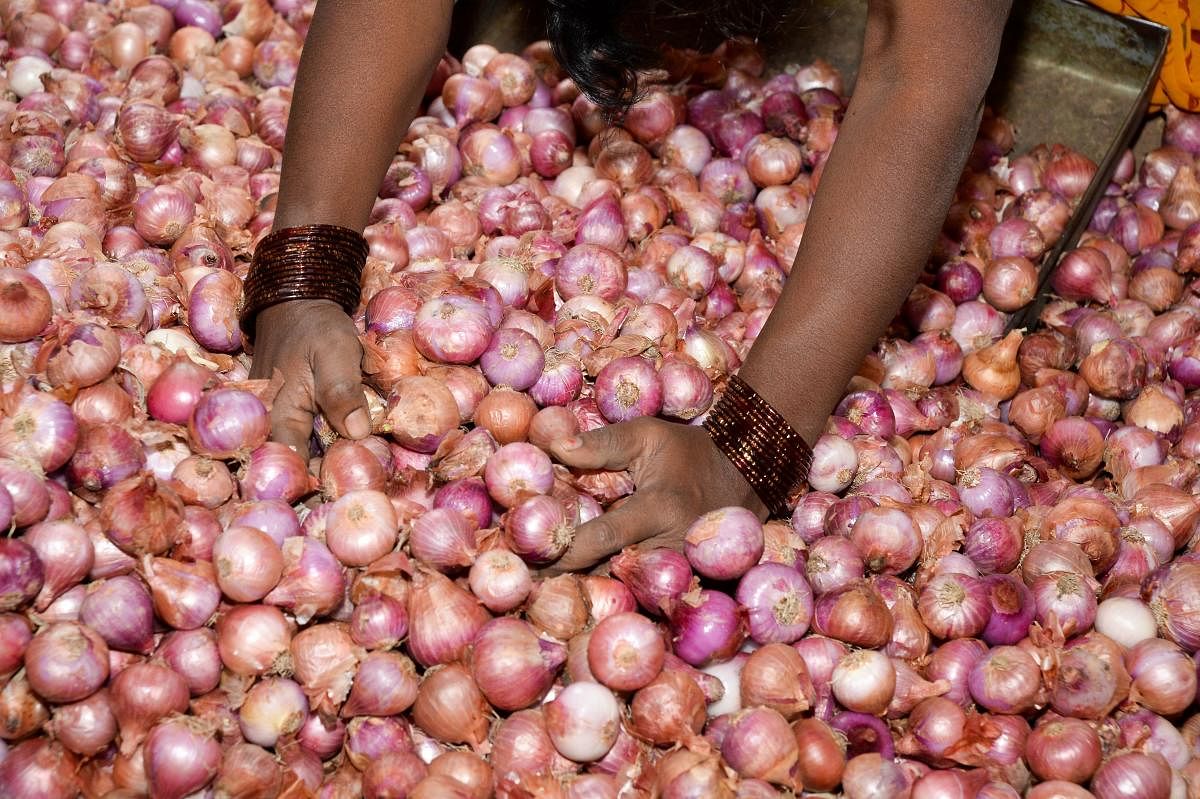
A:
x: 313, y: 262
x: 289, y: 311
x: 758, y: 441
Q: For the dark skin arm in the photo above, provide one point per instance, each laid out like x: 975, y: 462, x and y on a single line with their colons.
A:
x: 365, y: 66
x: 883, y: 196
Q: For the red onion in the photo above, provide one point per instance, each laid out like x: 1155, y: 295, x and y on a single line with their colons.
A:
x: 450, y: 707
x: 1063, y: 749
x: 707, y: 626
x: 106, y: 455
x: 368, y: 738
x: 226, y: 422
x: 66, y: 662
x: 249, y: 564
x: 86, y: 727
x: 444, y: 539
x: 378, y: 622
x: 1164, y: 678
x: 194, y: 655
x: 39, y: 428
x: 274, y: 517
x: 625, y: 652
x: 627, y: 388
x: 517, y: 470
x: 1012, y: 609
x: 202, y: 481
x: 119, y: 609
x: 657, y: 577
x: 385, y: 685
x: 361, y: 527
x: 40, y: 767
x: 759, y: 746
x: 500, y: 579
x: 832, y: 563
x: 64, y: 553
x: 180, y: 758
x: 588, y: 269
x: 1132, y: 774
x: 1084, y: 686
x: 1064, y: 600
x: 778, y: 602
x: 512, y: 666
x: 251, y: 638
x: 421, y: 411
x: 141, y: 695
x: 1006, y: 680
x: 724, y: 544
x: 539, y: 529
x: 176, y: 392
x: 443, y: 619
x: 513, y: 359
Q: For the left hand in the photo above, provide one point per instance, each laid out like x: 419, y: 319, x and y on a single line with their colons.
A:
x: 678, y: 474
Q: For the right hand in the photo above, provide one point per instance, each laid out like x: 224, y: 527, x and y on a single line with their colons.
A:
x: 314, y: 344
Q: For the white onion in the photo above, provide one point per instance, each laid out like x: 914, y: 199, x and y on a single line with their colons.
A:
x: 583, y: 721
x: 25, y: 75
x: 1126, y: 621
x: 730, y: 675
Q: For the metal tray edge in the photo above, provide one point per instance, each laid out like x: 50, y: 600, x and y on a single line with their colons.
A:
x: 1082, y: 217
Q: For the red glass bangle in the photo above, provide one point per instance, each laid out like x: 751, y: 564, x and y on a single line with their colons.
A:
x: 309, y: 262
x: 758, y: 440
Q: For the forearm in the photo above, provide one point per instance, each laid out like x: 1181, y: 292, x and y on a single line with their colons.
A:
x: 882, y: 198
x: 866, y: 240
x: 364, y: 69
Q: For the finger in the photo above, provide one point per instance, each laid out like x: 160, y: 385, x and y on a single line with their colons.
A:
x: 292, y: 418
x: 612, y: 447
x: 634, y: 521
x: 340, y: 394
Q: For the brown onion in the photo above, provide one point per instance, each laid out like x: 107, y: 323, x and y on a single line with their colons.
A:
x: 450, y: 707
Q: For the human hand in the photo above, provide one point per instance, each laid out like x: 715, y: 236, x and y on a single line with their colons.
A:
x: 678, y: 474
x: 314, y: 344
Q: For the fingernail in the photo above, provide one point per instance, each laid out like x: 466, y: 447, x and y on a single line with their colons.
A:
x: 358, y: 425
x: 571, y: 443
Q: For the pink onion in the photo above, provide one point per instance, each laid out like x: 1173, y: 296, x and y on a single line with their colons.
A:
x: 180, y: 758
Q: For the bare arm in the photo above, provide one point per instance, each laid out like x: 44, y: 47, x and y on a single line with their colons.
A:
x: 364, y: 70
x: 365, y: 67
x: 882, y: 198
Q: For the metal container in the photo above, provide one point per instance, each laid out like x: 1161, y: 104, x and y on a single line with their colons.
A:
x: 1069, y: 73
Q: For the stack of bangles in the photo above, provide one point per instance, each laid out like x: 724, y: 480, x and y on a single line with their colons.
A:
x: 325, y: 262
x: 758, y: 440
x: 310, y: 262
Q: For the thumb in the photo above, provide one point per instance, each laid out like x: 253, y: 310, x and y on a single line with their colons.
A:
x: 612, y: 447
x: 339, y: 395
x: 627, y: 524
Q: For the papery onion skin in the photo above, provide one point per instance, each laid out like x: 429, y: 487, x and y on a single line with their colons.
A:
x: 66, y: 662
x: 626, y: 651
x: 180, y: 758
x: 708, y: 627
x: 1132, y: 774
x: 511, y: 665
x: 450, y: 707
x: 583, y: 721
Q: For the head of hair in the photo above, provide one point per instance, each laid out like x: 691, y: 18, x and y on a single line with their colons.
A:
x: 593, y: 43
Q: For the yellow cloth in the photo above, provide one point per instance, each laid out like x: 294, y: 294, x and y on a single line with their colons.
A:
x: 1179, y: 82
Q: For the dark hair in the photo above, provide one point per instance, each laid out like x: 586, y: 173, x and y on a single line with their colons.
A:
x: 590, y: 44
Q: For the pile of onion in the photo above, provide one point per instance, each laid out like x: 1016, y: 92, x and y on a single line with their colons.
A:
x: 987, y: 590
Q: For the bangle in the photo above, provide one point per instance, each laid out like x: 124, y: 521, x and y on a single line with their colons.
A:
x: 768, y: 452
x: 310, y: 262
